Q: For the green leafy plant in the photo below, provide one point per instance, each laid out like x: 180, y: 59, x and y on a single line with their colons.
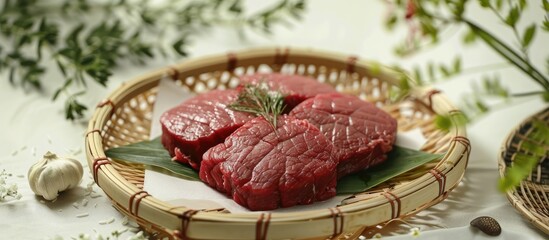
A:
x: 88, y: 39
x: 428, y: 20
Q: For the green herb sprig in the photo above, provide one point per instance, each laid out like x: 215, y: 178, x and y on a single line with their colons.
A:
x: 430, y: 21
x: 88, y: 39
x: 259, y: 100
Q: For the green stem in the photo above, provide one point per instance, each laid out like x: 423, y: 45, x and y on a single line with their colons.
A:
x: 476, y: 69
x: 445, y: 34
x: 474, y: 117
x: 497, y: 13
x: 484, y: 68
x: 469, y: 71
x: 527, y: 94
x: 509, y: 54
x: 37, y: 9
x: 514, y: 28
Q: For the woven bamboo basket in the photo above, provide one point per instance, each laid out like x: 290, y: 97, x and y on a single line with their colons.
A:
x: 531, y: 198
x: 125, y: 117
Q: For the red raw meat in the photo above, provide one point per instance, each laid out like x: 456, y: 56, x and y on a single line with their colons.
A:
x: 296, y: 88
x: 264, y: 169
x: 362, y: 134
x: 199, y: 123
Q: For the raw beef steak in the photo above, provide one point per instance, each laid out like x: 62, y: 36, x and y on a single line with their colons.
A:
x: 199, y: 123
x: 361, y: 133
x: 263, y: 169
x: 295, y: 88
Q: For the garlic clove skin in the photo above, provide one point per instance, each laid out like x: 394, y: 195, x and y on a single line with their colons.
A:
x: 52, y: 175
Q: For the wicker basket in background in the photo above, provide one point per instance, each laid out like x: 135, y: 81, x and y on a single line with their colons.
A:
x: 531, y: 198
x: 125, y: 117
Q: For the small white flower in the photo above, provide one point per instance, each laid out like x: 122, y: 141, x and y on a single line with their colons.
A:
x: 414, y: 232
x: 5, y: 190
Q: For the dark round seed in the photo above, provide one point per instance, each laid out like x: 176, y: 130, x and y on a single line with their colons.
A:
x: 487, y: 225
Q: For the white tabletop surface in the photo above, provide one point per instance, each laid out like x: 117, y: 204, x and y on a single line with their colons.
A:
x: 31, y: 124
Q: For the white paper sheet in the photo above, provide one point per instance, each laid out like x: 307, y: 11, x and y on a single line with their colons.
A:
x: 197, y: 195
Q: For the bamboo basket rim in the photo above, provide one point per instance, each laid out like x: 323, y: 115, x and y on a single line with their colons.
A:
x: 522, y: 205
x: 153, y: 214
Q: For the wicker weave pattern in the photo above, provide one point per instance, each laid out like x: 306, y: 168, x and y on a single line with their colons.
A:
x: 125, y: 116
x: 531, y: 198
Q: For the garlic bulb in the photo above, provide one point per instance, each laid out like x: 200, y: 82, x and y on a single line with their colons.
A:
x: 52, y: 175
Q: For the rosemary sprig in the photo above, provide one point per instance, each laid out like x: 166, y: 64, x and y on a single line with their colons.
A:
x: 88, y: 39
x: 259, y: 100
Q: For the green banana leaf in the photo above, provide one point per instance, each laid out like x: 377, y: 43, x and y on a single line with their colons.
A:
x: 153, y: 155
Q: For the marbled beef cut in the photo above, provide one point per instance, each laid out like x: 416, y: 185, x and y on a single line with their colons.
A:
x: 296, y: 88
x: 199, y: 123
x: 263, y: 169
x: 362, y: 134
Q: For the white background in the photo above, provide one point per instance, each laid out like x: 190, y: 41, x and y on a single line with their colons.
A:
x: 30, y: 124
